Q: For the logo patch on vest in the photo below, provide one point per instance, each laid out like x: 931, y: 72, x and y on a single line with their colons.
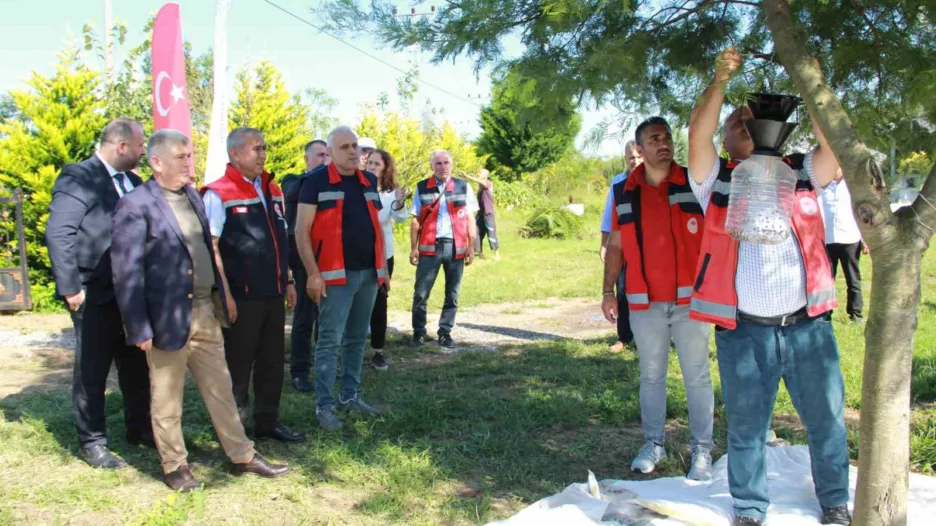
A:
x: 240, y: 209
x: 809, y: 206
x: 462, y: 213
x: 692, y: 225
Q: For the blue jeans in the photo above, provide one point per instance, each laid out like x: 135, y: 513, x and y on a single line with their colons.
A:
x: 343, y: 318
x: 426, y: 273
x: 751, y: 360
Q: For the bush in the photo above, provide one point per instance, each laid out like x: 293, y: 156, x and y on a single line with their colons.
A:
x: 547, y: 220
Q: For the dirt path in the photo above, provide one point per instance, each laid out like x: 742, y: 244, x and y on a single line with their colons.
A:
x: 36, y: 350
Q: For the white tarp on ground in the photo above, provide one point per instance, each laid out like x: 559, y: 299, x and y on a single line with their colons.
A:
x: 678, y: 501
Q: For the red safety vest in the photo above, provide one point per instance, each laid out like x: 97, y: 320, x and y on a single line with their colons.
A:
x: 714, y: 298
x: 456, y: 200
x: 253, y: 244
x: 687, y: 225
x: 326, y: 234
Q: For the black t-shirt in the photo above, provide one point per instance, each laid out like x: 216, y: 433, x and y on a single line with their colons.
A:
x: 357, y: 231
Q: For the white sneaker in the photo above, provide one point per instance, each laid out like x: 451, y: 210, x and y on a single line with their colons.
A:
x: 648, y: 457
x: 701, y: 466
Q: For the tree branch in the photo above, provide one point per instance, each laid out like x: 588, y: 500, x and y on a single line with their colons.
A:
x: 868, y: 190
x: 924, y: 206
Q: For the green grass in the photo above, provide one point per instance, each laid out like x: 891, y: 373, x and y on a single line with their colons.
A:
x: 530, y: 269
x: 468, y: 438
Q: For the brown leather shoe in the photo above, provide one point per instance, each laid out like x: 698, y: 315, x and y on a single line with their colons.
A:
x: 181, y: 480
x: 262, y: 467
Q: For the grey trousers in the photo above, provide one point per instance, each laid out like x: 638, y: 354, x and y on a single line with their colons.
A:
x: 653, y: 329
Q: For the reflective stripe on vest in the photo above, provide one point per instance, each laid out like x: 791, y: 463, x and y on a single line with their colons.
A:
x: 682, y: 197
x: 381, y: 273
x: 459, y: 197
x: 624, y: 208
x: 330, y: 196
x: 641, y: 299
x: 722, y: 187
x: 241, y: 202
x: 461, y: 251
x: 334, y: 274
x: 371, y: 196
x: 683, y: 292
x: 718, y: 310
x: 820, y: 296
x: 426, y: 248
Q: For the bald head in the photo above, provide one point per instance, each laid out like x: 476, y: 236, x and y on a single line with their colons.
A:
x: 122, y: 144
x: 344, y: 150
x: 738, y: 141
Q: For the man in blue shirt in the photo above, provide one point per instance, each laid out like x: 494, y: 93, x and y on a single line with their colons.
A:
x: 625, y: 336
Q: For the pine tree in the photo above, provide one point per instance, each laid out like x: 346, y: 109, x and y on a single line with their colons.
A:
x: 513, y: 135
x: 263, y: 102
x: 53, y: 122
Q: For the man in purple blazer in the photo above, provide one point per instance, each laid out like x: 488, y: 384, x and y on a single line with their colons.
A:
x: 172, y: 295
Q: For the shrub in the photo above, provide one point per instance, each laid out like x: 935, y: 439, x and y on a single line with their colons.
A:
x: 547, y: 220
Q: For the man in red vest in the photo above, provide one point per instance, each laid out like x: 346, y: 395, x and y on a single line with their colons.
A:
x: 658, y: 233
x: 341, y: 246
x: 442, y: 234
x: 768, y: 304
x: 248, y: 230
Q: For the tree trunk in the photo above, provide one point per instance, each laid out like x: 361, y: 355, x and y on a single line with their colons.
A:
x: 897, y: 242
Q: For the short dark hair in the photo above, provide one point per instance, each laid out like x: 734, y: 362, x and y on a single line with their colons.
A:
x: 652, y: 121
x: 309, y: 144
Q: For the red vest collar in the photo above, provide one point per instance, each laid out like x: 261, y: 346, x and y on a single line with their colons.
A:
x: 449, y: 184
x: 638, y: 176
x: 334, y: 177
x: 235, y: 175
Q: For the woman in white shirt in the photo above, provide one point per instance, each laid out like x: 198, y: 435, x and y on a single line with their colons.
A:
x: 393, y: 209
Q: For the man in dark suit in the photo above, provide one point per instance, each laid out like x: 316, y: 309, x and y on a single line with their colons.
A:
x: 78, y: 236
x: 168, y: 286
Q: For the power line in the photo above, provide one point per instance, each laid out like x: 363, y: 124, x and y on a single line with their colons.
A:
x: 378, y: 59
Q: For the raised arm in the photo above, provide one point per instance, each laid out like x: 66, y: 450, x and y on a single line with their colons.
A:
x: 824, y: 162
x: 703, y: 122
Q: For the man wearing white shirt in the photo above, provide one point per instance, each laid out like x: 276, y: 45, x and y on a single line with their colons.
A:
x: 624, y: 333
x: 769, y: 305
x: 442, y: 234
x: 78, y: 236
x: 843, y: 240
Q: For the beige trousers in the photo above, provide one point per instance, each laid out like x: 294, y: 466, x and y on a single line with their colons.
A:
x: 204, y: 356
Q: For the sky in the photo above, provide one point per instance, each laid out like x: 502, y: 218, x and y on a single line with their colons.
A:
x: 33, y: 32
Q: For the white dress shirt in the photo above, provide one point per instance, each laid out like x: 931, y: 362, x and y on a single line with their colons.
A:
x: 122, y: 189
x: 836, y: 207
x: 771, y: 279
x: 387, y: 217
x: 444, y: 221
x: 214, y: 207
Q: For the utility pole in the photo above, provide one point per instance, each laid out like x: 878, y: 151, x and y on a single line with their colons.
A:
x: 108, y: 45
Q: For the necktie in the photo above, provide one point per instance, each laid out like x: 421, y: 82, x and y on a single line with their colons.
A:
x: 121, y: 187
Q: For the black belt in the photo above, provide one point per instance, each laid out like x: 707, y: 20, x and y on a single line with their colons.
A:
x: 775, y: 321
x: 444, y: 240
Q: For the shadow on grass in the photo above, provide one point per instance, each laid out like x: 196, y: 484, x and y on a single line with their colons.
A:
x: 513, y: 333
x: 519, y: 423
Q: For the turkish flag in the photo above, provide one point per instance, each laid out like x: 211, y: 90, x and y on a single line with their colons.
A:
x: 170, y: 93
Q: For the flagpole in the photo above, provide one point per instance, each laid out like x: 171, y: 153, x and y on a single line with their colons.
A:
x: 217, y: 133
x: 108, y: 47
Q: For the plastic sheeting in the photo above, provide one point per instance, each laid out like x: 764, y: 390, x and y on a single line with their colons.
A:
x: 679, y: 501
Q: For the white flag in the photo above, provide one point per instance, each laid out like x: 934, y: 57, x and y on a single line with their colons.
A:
x: 217, y: 134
